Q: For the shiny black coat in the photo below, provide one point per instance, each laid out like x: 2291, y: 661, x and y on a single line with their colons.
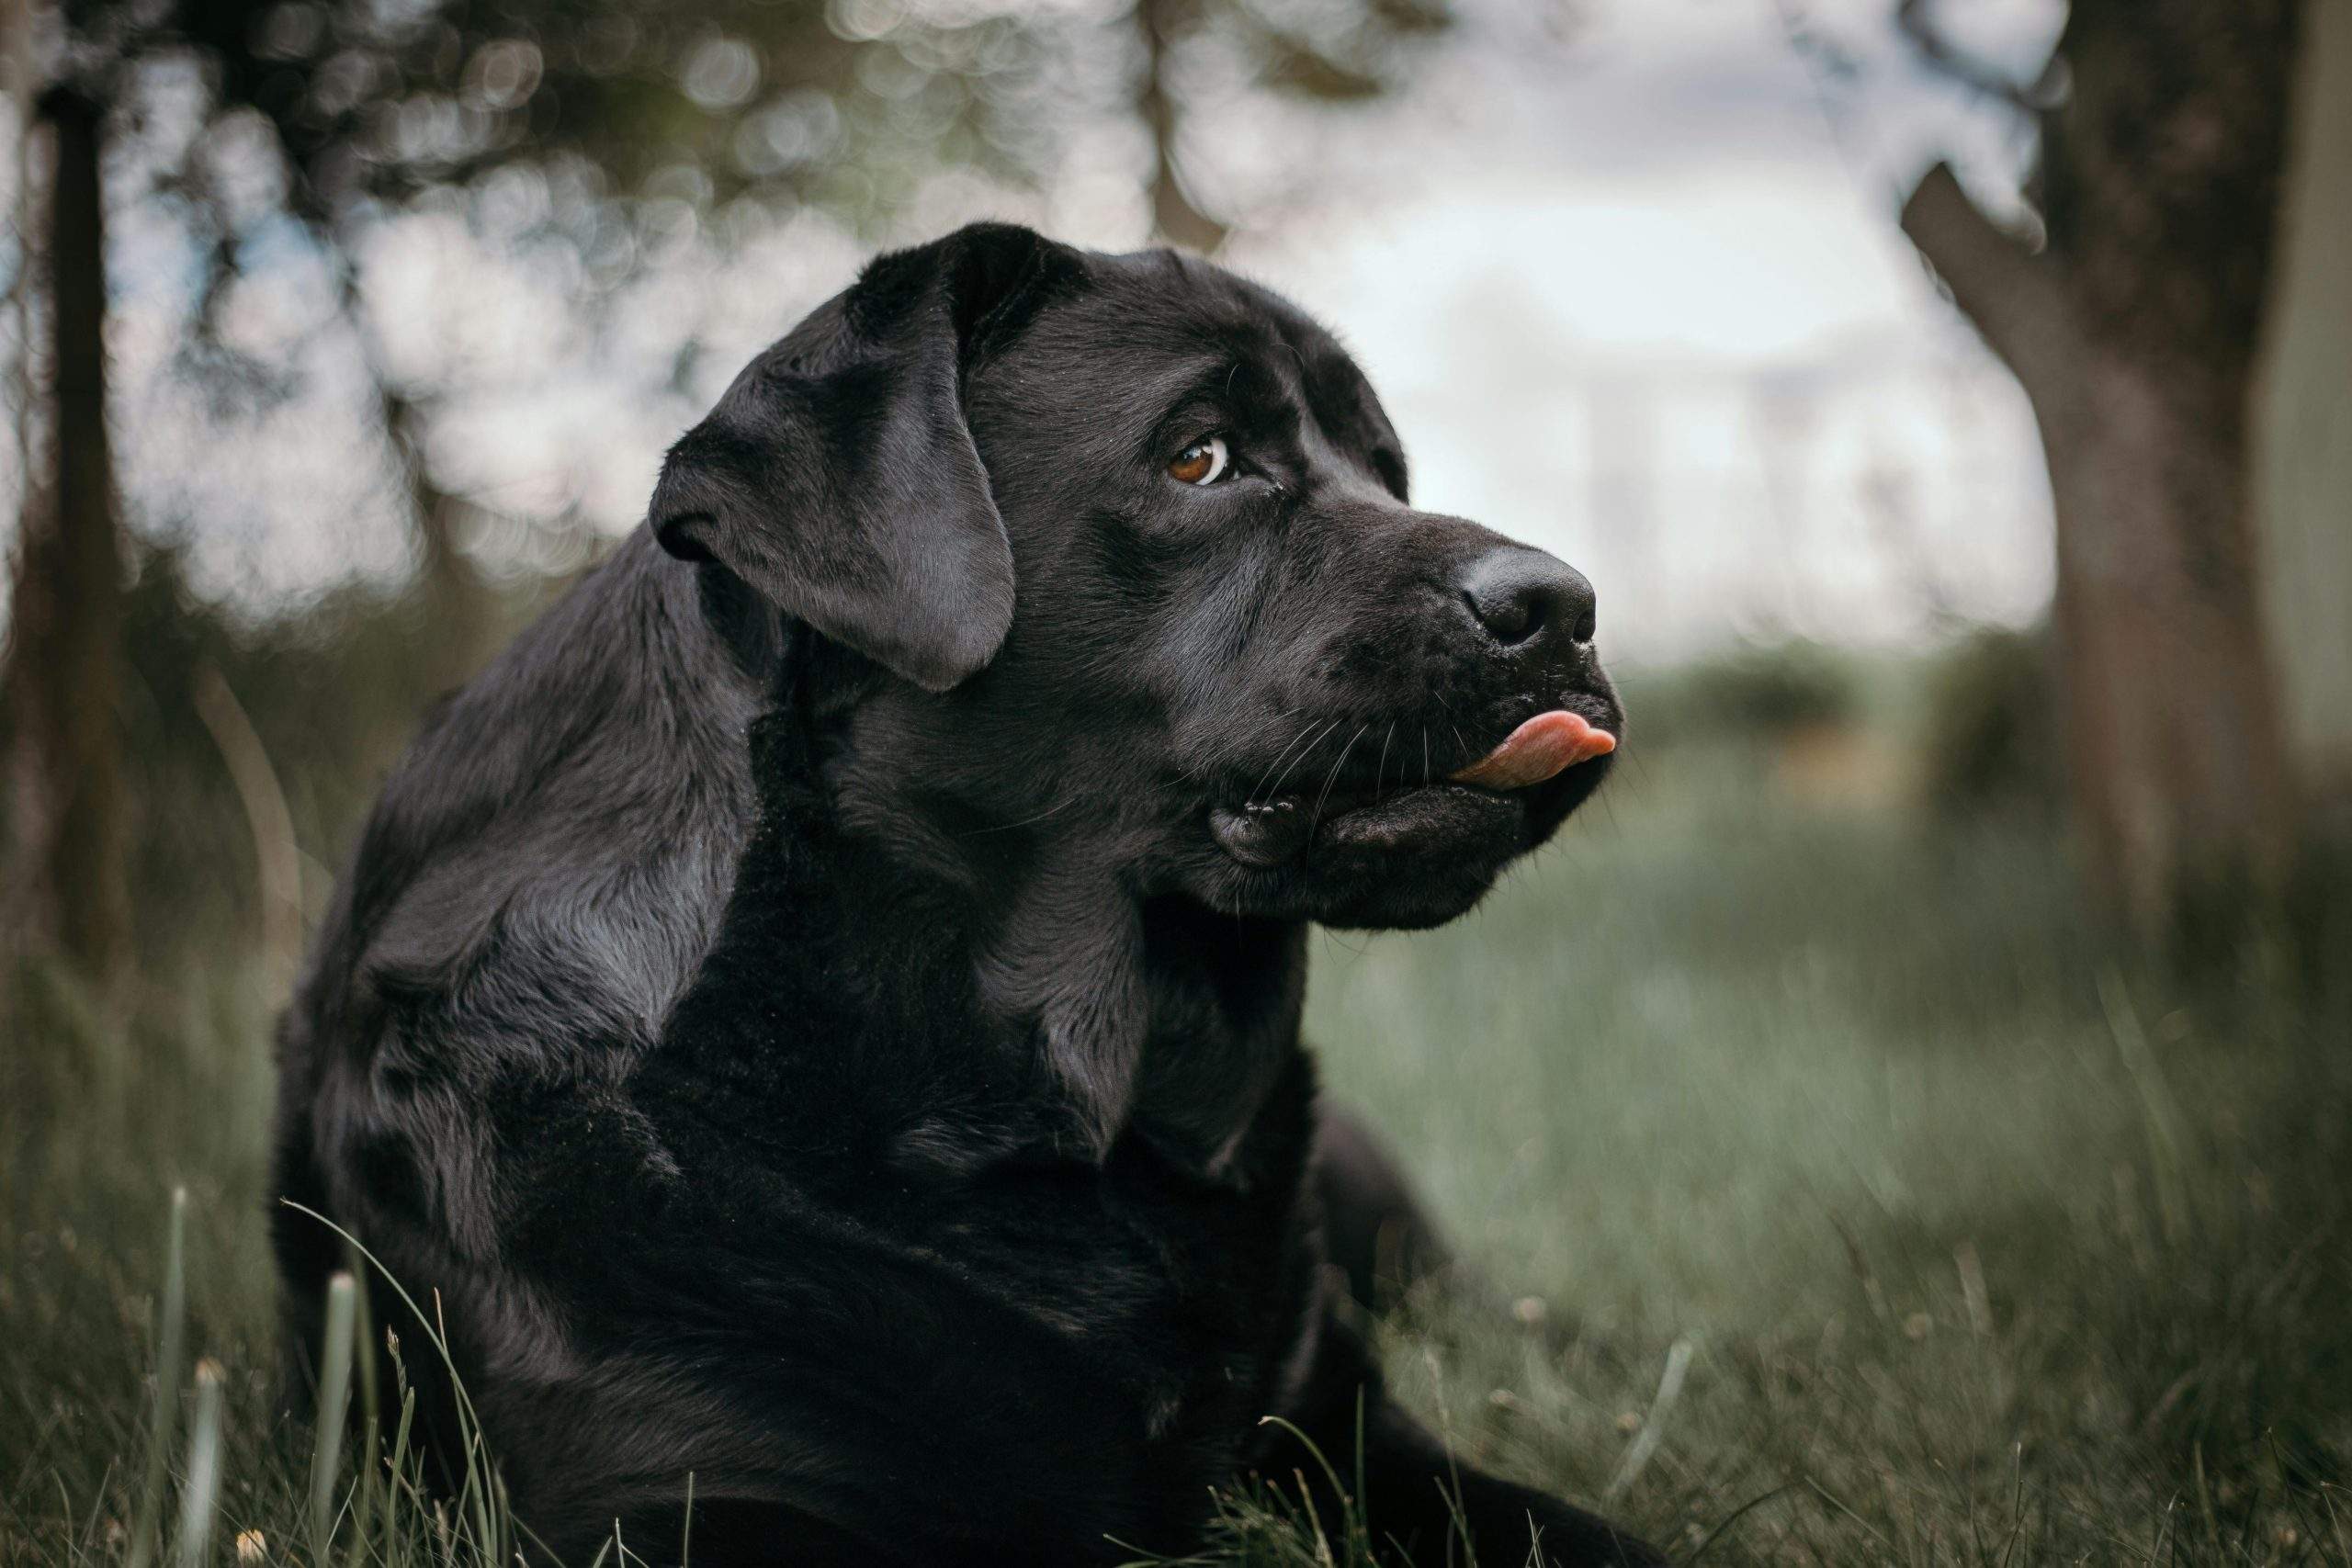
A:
x: 788, y: 1007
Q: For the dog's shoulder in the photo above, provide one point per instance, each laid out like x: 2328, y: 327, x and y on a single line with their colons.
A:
x: 549, y: 863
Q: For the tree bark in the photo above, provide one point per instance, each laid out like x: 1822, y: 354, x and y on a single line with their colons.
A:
x: 1173, y: 217
x: 2133, y: 333
x: 69, y: 810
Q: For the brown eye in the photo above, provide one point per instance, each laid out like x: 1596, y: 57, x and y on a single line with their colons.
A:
x: 1202, y: 463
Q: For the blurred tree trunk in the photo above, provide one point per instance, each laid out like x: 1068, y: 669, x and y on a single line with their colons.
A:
x: 1173, y: 217
x: 2302, y: 422
x: 447, y: 589
x: 69, y: 809
x: 2133, y: 332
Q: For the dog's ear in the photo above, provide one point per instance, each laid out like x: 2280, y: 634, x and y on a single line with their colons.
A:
x: 837, y: 475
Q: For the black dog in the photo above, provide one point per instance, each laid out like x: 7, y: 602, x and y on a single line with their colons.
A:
x: 822, y: 1009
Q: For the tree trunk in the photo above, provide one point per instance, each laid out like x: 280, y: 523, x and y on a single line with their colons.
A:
x: 2133, y: 333
x: 1173, y: 217
x: 69, y: 807
x: 447, y: 590
x: 2303, y: 425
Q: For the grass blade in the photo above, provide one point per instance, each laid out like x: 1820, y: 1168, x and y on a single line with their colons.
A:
x: 1645, y: 1444
x: 334, y: 1409
x: 170, y: 1339
x: 200, y: 1494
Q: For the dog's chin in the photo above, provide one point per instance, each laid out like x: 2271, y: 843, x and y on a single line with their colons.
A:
x: 1411, y: 861
x: 1407, y: 861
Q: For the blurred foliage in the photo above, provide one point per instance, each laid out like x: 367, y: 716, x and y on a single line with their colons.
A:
x: 1991, y: 727
x: 1757, y: 692
x: 1974, y: 723
x: 633, y: 119
x: 331, y: 695
x: 658, y: 116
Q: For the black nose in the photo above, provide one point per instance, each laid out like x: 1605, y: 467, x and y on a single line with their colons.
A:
x: 1519, y: 594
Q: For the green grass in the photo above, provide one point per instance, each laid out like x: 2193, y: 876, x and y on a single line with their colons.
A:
x: 1968, y: 1243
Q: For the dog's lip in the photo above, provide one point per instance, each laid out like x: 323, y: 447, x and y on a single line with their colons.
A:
x: 1273, y: 831
x: 1278, y: 831
x: 1542, y: 746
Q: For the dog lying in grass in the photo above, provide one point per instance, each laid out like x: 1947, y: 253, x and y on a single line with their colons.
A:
x: 821, y: 1010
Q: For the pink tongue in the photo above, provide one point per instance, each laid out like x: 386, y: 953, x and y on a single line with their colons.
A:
x: 1543, y: 746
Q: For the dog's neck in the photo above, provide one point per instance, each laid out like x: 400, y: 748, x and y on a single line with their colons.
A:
x: 1155, y: 1015
x: 1151, y: 1016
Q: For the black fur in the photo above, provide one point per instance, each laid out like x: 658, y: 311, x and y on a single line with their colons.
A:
x: 802, y: 1009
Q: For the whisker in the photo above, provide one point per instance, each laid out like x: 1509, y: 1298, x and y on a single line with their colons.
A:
x: 1277, y: 762
x: 1454, y: 725
x: 1268, y: 772
x: 1302, y: 756
x: 1313, y: 737
x: 1333, y: 776
x: 1380, y: 769
x: 1025, y: 821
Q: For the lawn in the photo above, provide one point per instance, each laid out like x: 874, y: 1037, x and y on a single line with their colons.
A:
x: 1840, y: 1197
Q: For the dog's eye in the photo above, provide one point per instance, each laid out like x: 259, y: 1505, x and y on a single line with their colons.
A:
x: 1203, y: 463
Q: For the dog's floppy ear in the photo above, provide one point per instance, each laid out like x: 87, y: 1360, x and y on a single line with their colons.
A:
x: 837, y: 475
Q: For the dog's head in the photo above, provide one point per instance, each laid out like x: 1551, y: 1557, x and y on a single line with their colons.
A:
x: 1120, y: 553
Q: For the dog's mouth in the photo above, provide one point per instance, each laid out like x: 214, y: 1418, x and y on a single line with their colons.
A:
x: 1359, y: 815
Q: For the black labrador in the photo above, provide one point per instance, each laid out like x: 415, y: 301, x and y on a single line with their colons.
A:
x: 822, y: 1009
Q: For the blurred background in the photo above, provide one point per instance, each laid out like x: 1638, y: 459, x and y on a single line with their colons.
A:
x: 1915, y: 1097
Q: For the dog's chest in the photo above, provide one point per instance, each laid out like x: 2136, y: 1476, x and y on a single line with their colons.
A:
x: 1178, y: 1305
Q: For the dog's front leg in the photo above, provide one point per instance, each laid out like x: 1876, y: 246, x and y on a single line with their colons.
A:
x: 1422, y: 1505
